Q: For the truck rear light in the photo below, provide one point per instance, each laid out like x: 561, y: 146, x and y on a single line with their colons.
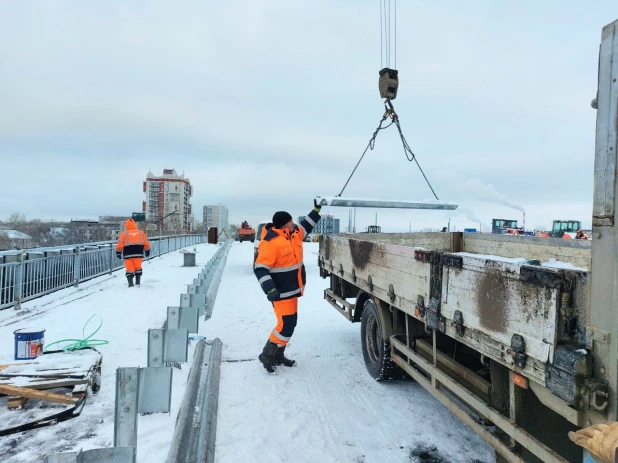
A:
x: 520, y: 380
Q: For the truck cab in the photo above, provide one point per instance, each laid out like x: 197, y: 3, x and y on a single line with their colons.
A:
x: 560, y: 227
x: 504, y: 227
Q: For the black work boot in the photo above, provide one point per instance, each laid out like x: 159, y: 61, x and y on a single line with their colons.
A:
x: 130, y: 280
x: 281, y: 359
x: 267, y: 357
x: 138, y: 278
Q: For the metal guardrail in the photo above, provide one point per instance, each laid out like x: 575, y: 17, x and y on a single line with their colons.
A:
x: 30, y: 273
x: 148, y: 390
x: 196, y: 425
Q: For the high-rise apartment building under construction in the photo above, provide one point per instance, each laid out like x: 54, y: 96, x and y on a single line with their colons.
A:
x: 168, y: 201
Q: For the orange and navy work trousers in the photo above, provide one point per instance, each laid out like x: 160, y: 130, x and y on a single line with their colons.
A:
x: 286, y: 312
x: 133, y: 266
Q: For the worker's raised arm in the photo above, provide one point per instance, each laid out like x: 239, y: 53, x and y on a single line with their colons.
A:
x: 311, y: 219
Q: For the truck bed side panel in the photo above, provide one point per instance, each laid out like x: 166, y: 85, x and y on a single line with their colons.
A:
x: 385, y: 264
x: 494, y: 300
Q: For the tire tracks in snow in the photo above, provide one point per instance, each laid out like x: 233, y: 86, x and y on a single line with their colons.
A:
x: 359, y: 399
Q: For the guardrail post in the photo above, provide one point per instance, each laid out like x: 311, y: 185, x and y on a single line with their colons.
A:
x: 111, y: 258
x: 125, y: 418
x: 77, y: 262
x: 19, y: 281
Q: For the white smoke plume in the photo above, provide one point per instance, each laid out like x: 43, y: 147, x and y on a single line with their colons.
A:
x: 488, y: 192
x: 474, y: 188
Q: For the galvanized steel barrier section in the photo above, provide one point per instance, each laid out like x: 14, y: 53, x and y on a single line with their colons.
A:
x: 28, y: 274
x: 196, y: 425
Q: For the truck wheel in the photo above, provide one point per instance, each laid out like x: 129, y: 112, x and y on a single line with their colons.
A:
x: 376, y: 350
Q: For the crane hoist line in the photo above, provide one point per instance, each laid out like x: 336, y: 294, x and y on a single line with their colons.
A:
x: 388, y: 84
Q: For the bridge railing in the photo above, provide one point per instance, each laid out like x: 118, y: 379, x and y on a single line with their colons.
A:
x: 31, y: 273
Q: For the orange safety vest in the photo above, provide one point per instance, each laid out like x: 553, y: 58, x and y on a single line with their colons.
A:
x: 132, y: 242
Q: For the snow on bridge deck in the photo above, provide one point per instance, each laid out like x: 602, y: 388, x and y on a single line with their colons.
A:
x: 326, y: 409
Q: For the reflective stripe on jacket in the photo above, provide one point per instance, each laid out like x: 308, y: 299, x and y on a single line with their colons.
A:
x: 280, y: 258
x: 132, y: 242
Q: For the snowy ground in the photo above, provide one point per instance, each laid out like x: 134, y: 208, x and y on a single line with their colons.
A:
x: 326, y: 409
x: 127, y: 315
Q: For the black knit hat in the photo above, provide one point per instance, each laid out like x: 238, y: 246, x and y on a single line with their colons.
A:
x: 281, y: 218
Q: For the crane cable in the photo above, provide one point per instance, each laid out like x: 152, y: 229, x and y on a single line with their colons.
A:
x: 410, y: 156
x: 389, y: 110
x: 388, y: 33
x: 370, y: 145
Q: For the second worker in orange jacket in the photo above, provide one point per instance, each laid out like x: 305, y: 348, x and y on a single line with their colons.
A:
x: 280, y: 271
x: 132, y: 246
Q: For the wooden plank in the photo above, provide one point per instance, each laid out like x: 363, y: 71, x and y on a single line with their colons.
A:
x: 70, y: 374
x: 80, y: 391
x: 17, y: 402
x: 53, y: 363
x: 38, y: 395
x: 4, y: 367
x: 40, y: 385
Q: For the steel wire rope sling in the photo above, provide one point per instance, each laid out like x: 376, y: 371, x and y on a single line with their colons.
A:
x: 388, y: 85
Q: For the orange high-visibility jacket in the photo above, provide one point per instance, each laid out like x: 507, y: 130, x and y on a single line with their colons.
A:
x: 280, y: 258
x: 132, y: 242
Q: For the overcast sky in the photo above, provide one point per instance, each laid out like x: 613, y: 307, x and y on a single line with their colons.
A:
x: 266, y: 104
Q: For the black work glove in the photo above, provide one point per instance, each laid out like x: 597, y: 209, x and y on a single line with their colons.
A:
x: 316, y: 207
x: 147, y: 252
x: 119, y: 254
x: 273, y: 295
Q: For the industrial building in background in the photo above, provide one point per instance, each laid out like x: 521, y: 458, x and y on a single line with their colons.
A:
x: 216, y: 216
x: 328, y: 225
x: 168, y: 201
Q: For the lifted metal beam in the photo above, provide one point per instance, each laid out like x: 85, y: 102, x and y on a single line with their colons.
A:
x: 383, y: 203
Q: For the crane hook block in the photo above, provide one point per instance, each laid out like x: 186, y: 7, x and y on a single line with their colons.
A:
x: 388, y: 83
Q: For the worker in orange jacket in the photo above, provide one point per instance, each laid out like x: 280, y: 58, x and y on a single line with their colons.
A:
x: 280, y: 271
x: 132, y: 245
x: 581, y: 235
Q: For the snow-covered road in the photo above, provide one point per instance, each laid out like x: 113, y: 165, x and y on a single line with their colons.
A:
x: 325, y: 409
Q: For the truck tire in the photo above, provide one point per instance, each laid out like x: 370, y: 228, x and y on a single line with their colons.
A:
x: 376, y: 349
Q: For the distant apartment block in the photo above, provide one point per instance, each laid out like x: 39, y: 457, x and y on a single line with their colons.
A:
x: 165, y: 195
x: 216, y: 216
x: 328, y: 225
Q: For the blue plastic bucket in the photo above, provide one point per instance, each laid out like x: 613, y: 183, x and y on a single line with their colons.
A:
x: 29, y: 343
